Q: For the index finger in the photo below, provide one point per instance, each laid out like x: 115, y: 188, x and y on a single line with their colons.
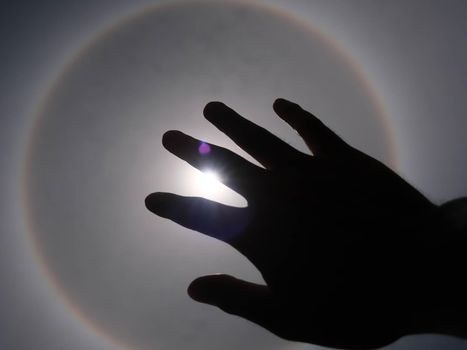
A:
x: 235, y: 171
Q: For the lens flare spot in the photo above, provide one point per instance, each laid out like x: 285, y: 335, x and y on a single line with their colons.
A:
x: 204, y: 148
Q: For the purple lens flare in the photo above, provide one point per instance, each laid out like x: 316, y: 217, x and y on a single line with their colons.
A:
x: 204, y: 148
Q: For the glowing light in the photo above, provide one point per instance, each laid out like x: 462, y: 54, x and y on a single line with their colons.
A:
x: 209, y: 182
x: 204, y: 148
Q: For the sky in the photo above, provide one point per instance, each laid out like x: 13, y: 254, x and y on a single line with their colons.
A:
x: 89, y: 87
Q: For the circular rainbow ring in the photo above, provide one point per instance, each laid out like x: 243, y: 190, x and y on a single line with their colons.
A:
x: 37, y: 113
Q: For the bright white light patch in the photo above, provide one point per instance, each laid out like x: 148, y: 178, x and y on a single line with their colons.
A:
x: 209, y: 182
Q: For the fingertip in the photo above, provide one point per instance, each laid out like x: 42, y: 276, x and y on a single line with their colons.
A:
x: 282, y: 106
x: 149, y: 200
x: 279, y: 101
x: 212, y: 109
x: 204, y: 289
x: 193, y: 290
x: 198, y: 291
x: 170, y: 137
x: 154, y: 201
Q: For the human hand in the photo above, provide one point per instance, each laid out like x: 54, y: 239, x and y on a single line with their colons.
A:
x: 334, y: 234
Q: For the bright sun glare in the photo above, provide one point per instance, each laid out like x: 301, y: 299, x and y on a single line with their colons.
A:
x: 209, y: 182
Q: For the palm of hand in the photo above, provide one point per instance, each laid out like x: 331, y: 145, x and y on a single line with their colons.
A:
x: 330, y: 233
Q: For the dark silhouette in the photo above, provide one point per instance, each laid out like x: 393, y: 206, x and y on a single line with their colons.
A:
x: 352, y: 255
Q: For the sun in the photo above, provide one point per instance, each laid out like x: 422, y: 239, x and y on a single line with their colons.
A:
x: 208, y: 182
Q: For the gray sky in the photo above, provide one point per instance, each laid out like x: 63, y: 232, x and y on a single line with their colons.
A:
x: 108, y: 99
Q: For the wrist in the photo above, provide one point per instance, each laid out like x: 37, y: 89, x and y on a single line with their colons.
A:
x: 438, y: 299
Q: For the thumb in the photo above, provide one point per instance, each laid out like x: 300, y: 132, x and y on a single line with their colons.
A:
x: 251, y: 301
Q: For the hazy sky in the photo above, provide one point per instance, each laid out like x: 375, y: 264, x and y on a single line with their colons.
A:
x: 89, y: 87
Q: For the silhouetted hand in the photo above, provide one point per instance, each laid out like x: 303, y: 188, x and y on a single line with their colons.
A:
x: 342, y: 242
